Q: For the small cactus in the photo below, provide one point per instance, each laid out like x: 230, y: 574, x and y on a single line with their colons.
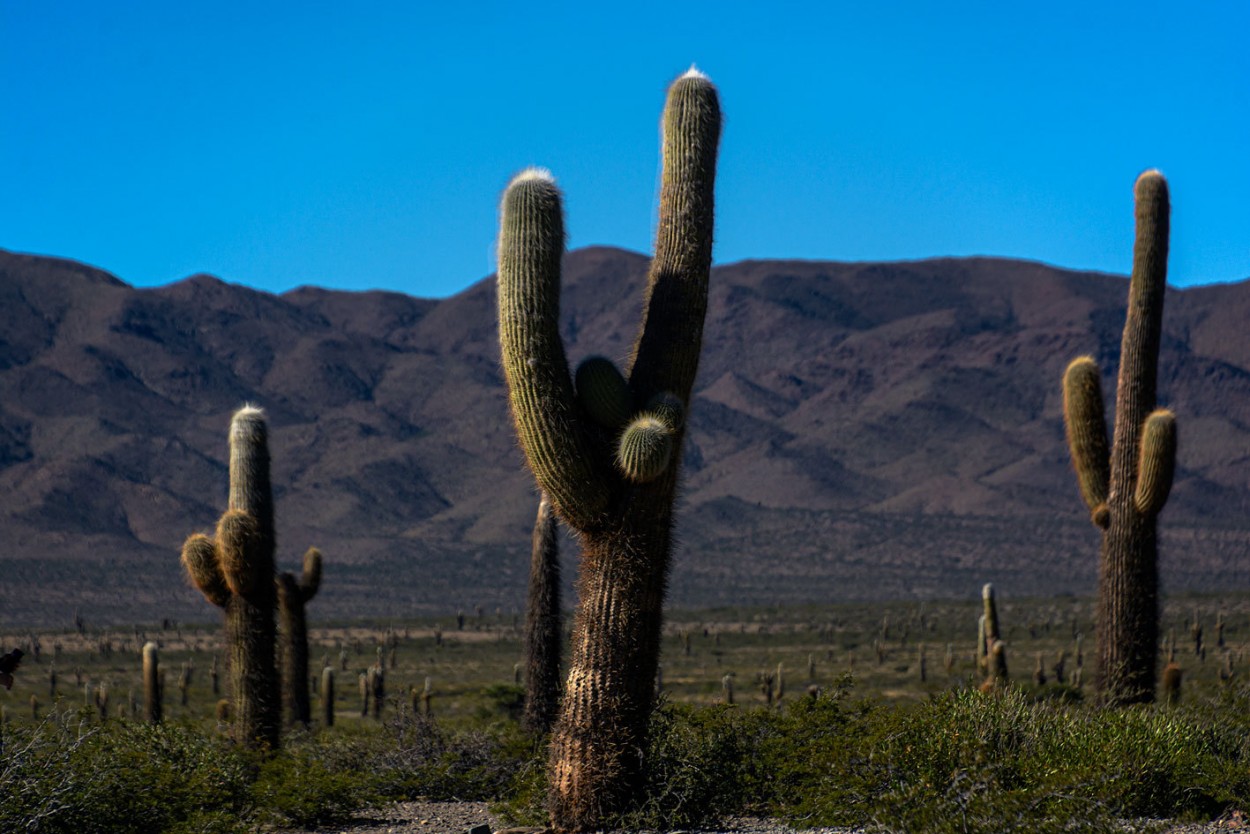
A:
x: 293, y: 595
x: 153, y: 710
x: 327, y: 697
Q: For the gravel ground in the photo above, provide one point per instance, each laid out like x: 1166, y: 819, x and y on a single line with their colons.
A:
x: 459, y: 817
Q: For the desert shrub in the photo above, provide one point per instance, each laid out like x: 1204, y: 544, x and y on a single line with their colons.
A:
x: 66, y: 776
x: 303, y: 786
x: 418, y: 757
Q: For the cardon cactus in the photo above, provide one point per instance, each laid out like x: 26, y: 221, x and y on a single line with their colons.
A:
x: 153, y: 704
x: 293, y: 594
x: 542, y: 625
x: 995, y: 649
x: 1126, y: 483
x: 235, y: 571
x: 614, y: 488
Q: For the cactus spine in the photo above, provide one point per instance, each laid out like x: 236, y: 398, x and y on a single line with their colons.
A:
x: 235, y: 571
x: 152, y: 707
x: 623, y: 518
x: 293, y: 595
x: 1126, y: 485
x: 542, y: 625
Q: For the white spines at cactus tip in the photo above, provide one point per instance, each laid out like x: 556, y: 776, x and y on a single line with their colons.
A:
x: 533, y: 173
x: 694, y: 72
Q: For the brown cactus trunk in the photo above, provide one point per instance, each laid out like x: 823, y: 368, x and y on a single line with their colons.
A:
x: 596, y: 744
x: 1128, y: 606
x: 250, y: 638
x: 294, y: 627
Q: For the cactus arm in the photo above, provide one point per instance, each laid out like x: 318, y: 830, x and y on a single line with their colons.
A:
x: 199, y: 558
x: 666, y: 354
x: 644, y: 449
x: 310, y: 582
x: 540, y: 390
x: 1086, y: 429
x: 241, y: 554
x: 1157, y: 462
x: 1139, y: 350
x: 603, y: 392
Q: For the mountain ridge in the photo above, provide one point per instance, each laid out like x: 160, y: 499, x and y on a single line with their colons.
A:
x: 858, y: 430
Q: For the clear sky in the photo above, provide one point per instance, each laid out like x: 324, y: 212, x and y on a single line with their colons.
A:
x: 365, y: 144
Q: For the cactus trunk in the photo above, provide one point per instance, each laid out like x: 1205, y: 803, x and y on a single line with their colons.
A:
x: 542, y: 625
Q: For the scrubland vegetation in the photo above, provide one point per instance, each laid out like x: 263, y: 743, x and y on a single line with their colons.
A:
x: 855, y: 736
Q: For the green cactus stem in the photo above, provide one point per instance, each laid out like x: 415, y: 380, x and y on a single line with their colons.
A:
x: 543, y: 625
x: 235, y: 571
x: 1126, y: 485
x: 619, y: 505
x: 293, y: 595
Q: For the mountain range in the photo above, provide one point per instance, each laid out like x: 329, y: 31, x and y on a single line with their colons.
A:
x: 859, y: 431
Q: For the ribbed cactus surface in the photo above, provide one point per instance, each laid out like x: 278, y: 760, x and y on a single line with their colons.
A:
x: 235, y: 571
x: 611, y: 480
x: 1126, y: 483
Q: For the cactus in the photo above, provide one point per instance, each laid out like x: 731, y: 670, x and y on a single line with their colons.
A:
x: 235, y: 571
x: 293, y: 595
x: 152, y: 705
x: 327, y: 696
x: 1125, y: 484
x: 995, y: 648
x: 542, y: 625
x: 616, y: 493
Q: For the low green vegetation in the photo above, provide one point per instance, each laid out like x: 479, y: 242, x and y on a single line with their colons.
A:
x: 855, y: 737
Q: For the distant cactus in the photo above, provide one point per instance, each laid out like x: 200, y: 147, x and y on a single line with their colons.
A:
x: 542, y: 625
x: 996, y: 648
x: 235, y: 571
x: 327, y: 697
x: 153, y: 709
x: 1172, y: 684
x: 293, y: 595
x: 615, y: 492
x: 1125, y: 484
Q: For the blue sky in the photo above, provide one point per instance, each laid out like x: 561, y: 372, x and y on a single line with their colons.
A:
x: 362, y: 145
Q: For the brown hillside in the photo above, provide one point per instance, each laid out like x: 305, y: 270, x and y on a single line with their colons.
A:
x: 860, y: 430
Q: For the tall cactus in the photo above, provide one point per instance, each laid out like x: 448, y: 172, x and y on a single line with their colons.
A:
x: 1126, y: 485
x: 293, y: 594
x: 235, y: 571
x: 613, y: 485
x: 542, y: 625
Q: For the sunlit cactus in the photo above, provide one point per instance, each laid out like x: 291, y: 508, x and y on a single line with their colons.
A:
x: 615, y: 491
x: 235, y: 571
x: 1126, y: 483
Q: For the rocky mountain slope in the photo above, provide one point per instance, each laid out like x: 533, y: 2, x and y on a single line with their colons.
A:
x: 859, y: 431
